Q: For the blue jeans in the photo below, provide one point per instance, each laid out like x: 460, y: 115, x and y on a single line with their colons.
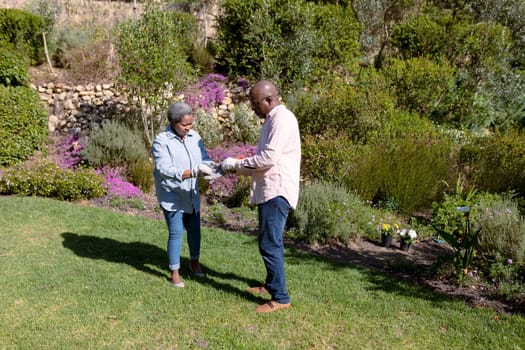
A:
x: 177, y: 221
x: 272, y: 218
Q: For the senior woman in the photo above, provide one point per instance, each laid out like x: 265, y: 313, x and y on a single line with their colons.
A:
x: 180, y: 157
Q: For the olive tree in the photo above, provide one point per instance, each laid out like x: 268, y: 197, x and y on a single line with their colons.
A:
x: 153, y: 53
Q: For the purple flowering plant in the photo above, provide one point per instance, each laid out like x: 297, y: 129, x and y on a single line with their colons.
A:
x: 206, y: 93
x: 116, y: 184
x: 69, y: 151
x: 227, y: 185
x: 242, y: 82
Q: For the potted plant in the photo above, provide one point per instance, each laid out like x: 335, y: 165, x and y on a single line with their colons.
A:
x: 387, y: 230
x: 407, y: 237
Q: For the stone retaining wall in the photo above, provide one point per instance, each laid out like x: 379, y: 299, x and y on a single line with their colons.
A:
x: 83, y: 107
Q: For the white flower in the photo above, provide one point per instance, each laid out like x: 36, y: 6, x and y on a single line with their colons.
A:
x: 408, y: 235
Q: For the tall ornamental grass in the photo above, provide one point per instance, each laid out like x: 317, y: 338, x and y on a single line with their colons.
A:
x: 405, y: 165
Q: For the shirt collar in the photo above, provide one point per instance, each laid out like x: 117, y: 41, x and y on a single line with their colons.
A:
x: 172, y: 134
x: 274, y: 111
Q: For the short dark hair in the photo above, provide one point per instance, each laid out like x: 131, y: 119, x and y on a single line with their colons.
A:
x: 178, y: 110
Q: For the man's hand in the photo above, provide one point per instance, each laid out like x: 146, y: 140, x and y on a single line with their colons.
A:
x: 230, y: 164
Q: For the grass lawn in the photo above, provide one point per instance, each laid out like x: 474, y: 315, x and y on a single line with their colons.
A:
x: 75, y: 277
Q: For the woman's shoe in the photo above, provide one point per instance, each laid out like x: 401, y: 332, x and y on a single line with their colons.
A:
x: 178, y: 284
x: 175, y: 279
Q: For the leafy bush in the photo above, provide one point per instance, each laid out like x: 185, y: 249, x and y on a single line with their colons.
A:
x: 403, y: 165
x: 483, y: 227
x: 14, y: 68
x: 509, y: 280
x: 114, y: 144
x: 487, y: 91
x: 243, y: 126
x: 510, y: 14
x: 422, y: 36
x: 209, y: 127
x: 47, y: 179
x: 497, y: 162
x: 421, y: 86
x: 327, y: 212
x: 502, y: 234
x: 141, y: 174
x: 22, y: 31
x: 336, y: 107
x: 445, y: 215
x: 23, y: 124
x: 290, y: 42
x: 327, y: 158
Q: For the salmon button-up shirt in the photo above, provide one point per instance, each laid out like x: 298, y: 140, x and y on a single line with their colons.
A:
x: 275, y: 168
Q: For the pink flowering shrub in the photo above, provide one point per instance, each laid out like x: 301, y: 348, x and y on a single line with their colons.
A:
x: 230, y: 189
x: 116, y: 184
x: 69, y: 151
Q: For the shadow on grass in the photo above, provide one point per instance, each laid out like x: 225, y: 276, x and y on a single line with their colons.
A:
x: 382, y: 269
x: 141, y: 256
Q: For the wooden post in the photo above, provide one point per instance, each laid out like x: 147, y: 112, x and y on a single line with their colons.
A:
x: 47, y: 53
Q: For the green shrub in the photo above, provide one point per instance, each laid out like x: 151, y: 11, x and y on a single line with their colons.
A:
x: 210, y: 128
x: 509, y: 280
x: 502, y: 234
x: 23, y: 124
x: 290, y: 42
x: 496, y: 232
x: 327, y: 158
x: 445, y: 215
x: 327, y: 212
x: 243, y: 125
x: 497, y: 162
x: 337, y: 107
x: 421, y: 86
x: 487, y: 90
x: 22, y: 31
x: 422, y: 36
x: 114, y: 145
x: 14, y: 68
x: 404, y: 165
x: 141, y: 174
x: 46, y: 179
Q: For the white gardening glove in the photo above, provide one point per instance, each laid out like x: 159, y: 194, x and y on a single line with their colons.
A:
x: 230, y: 164
x: 201, y: 169
x: 217, y: 172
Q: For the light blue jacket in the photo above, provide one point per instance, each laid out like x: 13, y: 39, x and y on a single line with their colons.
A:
x: 172, y: 156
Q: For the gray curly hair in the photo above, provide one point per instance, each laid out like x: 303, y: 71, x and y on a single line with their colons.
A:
x: 178, y: 110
